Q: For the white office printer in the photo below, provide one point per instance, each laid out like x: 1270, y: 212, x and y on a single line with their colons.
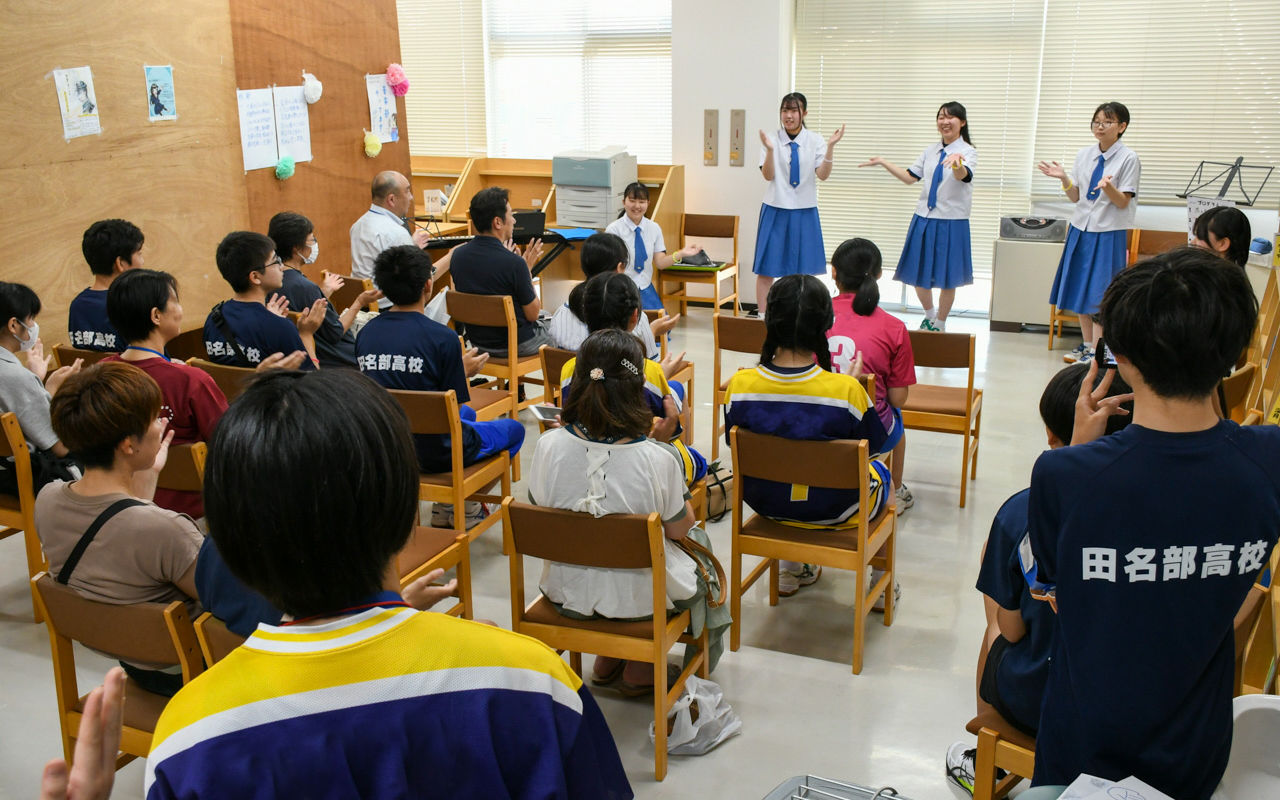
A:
x: 589, y: 185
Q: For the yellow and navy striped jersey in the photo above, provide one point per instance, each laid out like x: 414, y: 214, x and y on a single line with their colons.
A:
x: 390, y: 702
x: 806, y: 403
x: 655, y: 388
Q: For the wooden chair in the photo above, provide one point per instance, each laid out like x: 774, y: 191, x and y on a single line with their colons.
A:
x: 1057, y: 319
x: 151, y: 633
x: 1144, y: 244
x: 231, y: 380
x: 947, y: 409
x: 1235, y: 391
x: 184, y: 469
x: 438, y: 548
x: 65, y: 355
x: 836, y: 464
x: 685, y: 377
x: 17, y: 512
x: 498, y: 311
x: 352, y: 288
x: 617, y: 541
x: 737, y: 335
x: 216, y: 640
x: 1000, y: 746
x: 710, y: 226
x: 553, y: 360
x: 187, y: 345
x: 1257, y: 636
x: 487, y: 403
x: 437, y: 413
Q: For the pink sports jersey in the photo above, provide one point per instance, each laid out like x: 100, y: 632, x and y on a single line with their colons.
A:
x: 885, y: 346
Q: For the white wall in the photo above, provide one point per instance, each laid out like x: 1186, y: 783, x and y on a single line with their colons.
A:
x: 728, y: 54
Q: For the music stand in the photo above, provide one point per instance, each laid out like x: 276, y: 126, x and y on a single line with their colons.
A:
x: 1231, y: 173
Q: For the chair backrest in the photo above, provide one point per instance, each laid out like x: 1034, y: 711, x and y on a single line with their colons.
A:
x: 187, y: 345
x: 1235, y: 390
x: 184, y: 469
x: 66, y: 355
x: 943, y: 350
x: 711, y: 226
x: 830, y: 464
x: 493, y: 310
x: 431, y: 412
x: 154, y: 633
x: 616, y: 541
x: 738, y: 334
x: 553, y: 361
x: 216, y: 639
x: 231, y: 380
x: 352, y: 288
x: 14, y: 444
x: 1146, y: 243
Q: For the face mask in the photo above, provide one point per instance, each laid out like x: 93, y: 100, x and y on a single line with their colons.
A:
x: 315, y: 253
x: 33, y: 336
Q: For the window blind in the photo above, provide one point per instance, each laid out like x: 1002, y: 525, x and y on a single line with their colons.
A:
x: 442, y: 51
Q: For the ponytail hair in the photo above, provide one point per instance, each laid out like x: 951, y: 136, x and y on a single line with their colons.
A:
x: 606, y: 395
x: 856, y: 264
x: 608, y: 301
x: 799, y: 317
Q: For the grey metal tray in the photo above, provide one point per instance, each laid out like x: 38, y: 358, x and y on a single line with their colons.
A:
x: 811, y: 787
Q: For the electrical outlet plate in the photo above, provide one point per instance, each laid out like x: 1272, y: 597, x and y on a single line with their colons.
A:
x: 737, y: 136
x: 711, y: 137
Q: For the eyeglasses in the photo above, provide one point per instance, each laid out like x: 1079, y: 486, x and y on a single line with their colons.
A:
x: 275, y: 262
x: 1103, y: 124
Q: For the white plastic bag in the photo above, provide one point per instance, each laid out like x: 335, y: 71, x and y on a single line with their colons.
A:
x: 437, y: 309
x: 701, y: 719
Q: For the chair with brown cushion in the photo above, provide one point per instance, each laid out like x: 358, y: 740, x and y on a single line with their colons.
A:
x: 65, y: 355
x: 346, y: 296
x: 17, y: 512
x: 438, y: 548
x: 149, y: 633
x: 737, y: 335
x: 216, y: 640
x: 437, y: 413
x: 498, y: 311
x: 617, y: 541
x: 231, y: 380
x: 947, y: 409
x: 1000, y: 746
x: 833, y: 464
x: 708, y: 226
x: 187, y: 345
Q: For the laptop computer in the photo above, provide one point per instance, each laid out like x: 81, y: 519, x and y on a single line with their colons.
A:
x: 529, y: 225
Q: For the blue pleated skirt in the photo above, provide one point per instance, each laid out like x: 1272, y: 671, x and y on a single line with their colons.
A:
x: 1089, y: 262
x: 937, y: 254
x: 789, y: 242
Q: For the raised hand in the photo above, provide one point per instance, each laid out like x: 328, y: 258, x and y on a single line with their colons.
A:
x: 835, y: 138
x: 278, y: 305
x: 954, y: 161
x: 767, y: 141
x: 331, y: 284
x: 97, y: 744
x: 1094, y: 408
x: 61, y: 374
x: 310, y: 318
x: 673, y: 363
x: 473, y: 361
x: 663, y: 324
x: 1053, y: 169
x: 874, y: 161
x: 282, y: 361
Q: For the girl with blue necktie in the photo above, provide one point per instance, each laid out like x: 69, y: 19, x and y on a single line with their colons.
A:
x: 646, y: 249
x: 789, y: 236
x: 1102, y: 183
x: 937, y: 251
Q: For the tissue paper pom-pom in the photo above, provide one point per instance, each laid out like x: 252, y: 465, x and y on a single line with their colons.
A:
x: 284, y: 169
x: 372, y: 144
x: 312, y: 88
x: 395, y: 75
x: 400, y: 89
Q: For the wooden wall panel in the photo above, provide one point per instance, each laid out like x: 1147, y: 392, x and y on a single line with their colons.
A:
x: 339, y: 42
x: 181, y: 182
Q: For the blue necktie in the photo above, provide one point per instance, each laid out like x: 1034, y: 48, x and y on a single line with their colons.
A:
x: 641, y: 254
x: 937, y: 180
x: 1093, y: 190
x: 795, y: 164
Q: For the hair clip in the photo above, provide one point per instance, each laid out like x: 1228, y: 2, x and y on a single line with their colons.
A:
x: 630, y: 366
x: 596, y: 374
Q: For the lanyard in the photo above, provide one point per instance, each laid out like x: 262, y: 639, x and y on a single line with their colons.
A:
x: 379, y: 600
x: 148, y: 350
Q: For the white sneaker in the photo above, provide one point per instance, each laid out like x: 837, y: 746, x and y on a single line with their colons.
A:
x: 1074, y: 355
x: 442, y: 514
x: 905, y: 498
x: 960, y: 764
x: 1086, y: 356
x: 789, y: 582
x: 879, y: 603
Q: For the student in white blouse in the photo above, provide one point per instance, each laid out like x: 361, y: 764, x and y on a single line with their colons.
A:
x: 1103, y: 183
x: 646, y: 249
x: 937, y: 252
x: 789, y: 236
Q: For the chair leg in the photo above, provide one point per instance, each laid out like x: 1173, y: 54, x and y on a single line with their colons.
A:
x: 860, y: 613
x: 984, y: 766
x: 891, y: 567
x: 773, y: 581
x: 704, y: 667
x: 715, y: 426
x: 659, y: 712
x: 575, y: 662
x: 977, y: 428
x: 464, y: 583
x: 735, y: 598
x: 964, y: 467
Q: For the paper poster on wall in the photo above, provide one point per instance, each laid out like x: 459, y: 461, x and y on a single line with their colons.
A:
x: 160, y: 102
x: 293, y: 125
x: 382, y: 108
x: 77, y: 102
x: 257, y: 128
x: 1197, y: 206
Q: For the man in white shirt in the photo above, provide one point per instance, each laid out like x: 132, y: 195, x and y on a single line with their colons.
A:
x: 383, y: 226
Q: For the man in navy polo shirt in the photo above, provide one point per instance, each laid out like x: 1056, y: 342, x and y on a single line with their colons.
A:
x: 1153, y: 537
x: 110, y: 247
x: 485, y: 266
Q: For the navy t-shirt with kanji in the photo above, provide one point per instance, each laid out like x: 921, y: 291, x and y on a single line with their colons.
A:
x: 406, y: 350
x: 88, y: 326
x: 1021, y: 674
x: 335, y: 347
x: 1153, y: 540
x: 259, y: 333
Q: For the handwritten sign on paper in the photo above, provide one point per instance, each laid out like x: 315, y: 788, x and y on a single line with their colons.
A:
x: 293, y: 125
x: 257, y: 128
x: 382, y: 108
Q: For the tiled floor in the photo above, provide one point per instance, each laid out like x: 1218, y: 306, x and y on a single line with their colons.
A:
x: 802, y: 709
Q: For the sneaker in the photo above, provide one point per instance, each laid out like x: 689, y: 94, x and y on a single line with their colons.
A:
x: 905, y: 498
x: 442, y: 514
x: 960, y: 758
x: 1086, y: 356
x: 927, y: 324
x: 878, y: 605
x: 790, y: 582
x: 1074, y: 356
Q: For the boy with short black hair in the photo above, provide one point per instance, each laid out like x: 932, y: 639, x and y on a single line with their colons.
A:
x: 110, y: 247
x: 245, y: 330
x: 1152, y: 537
